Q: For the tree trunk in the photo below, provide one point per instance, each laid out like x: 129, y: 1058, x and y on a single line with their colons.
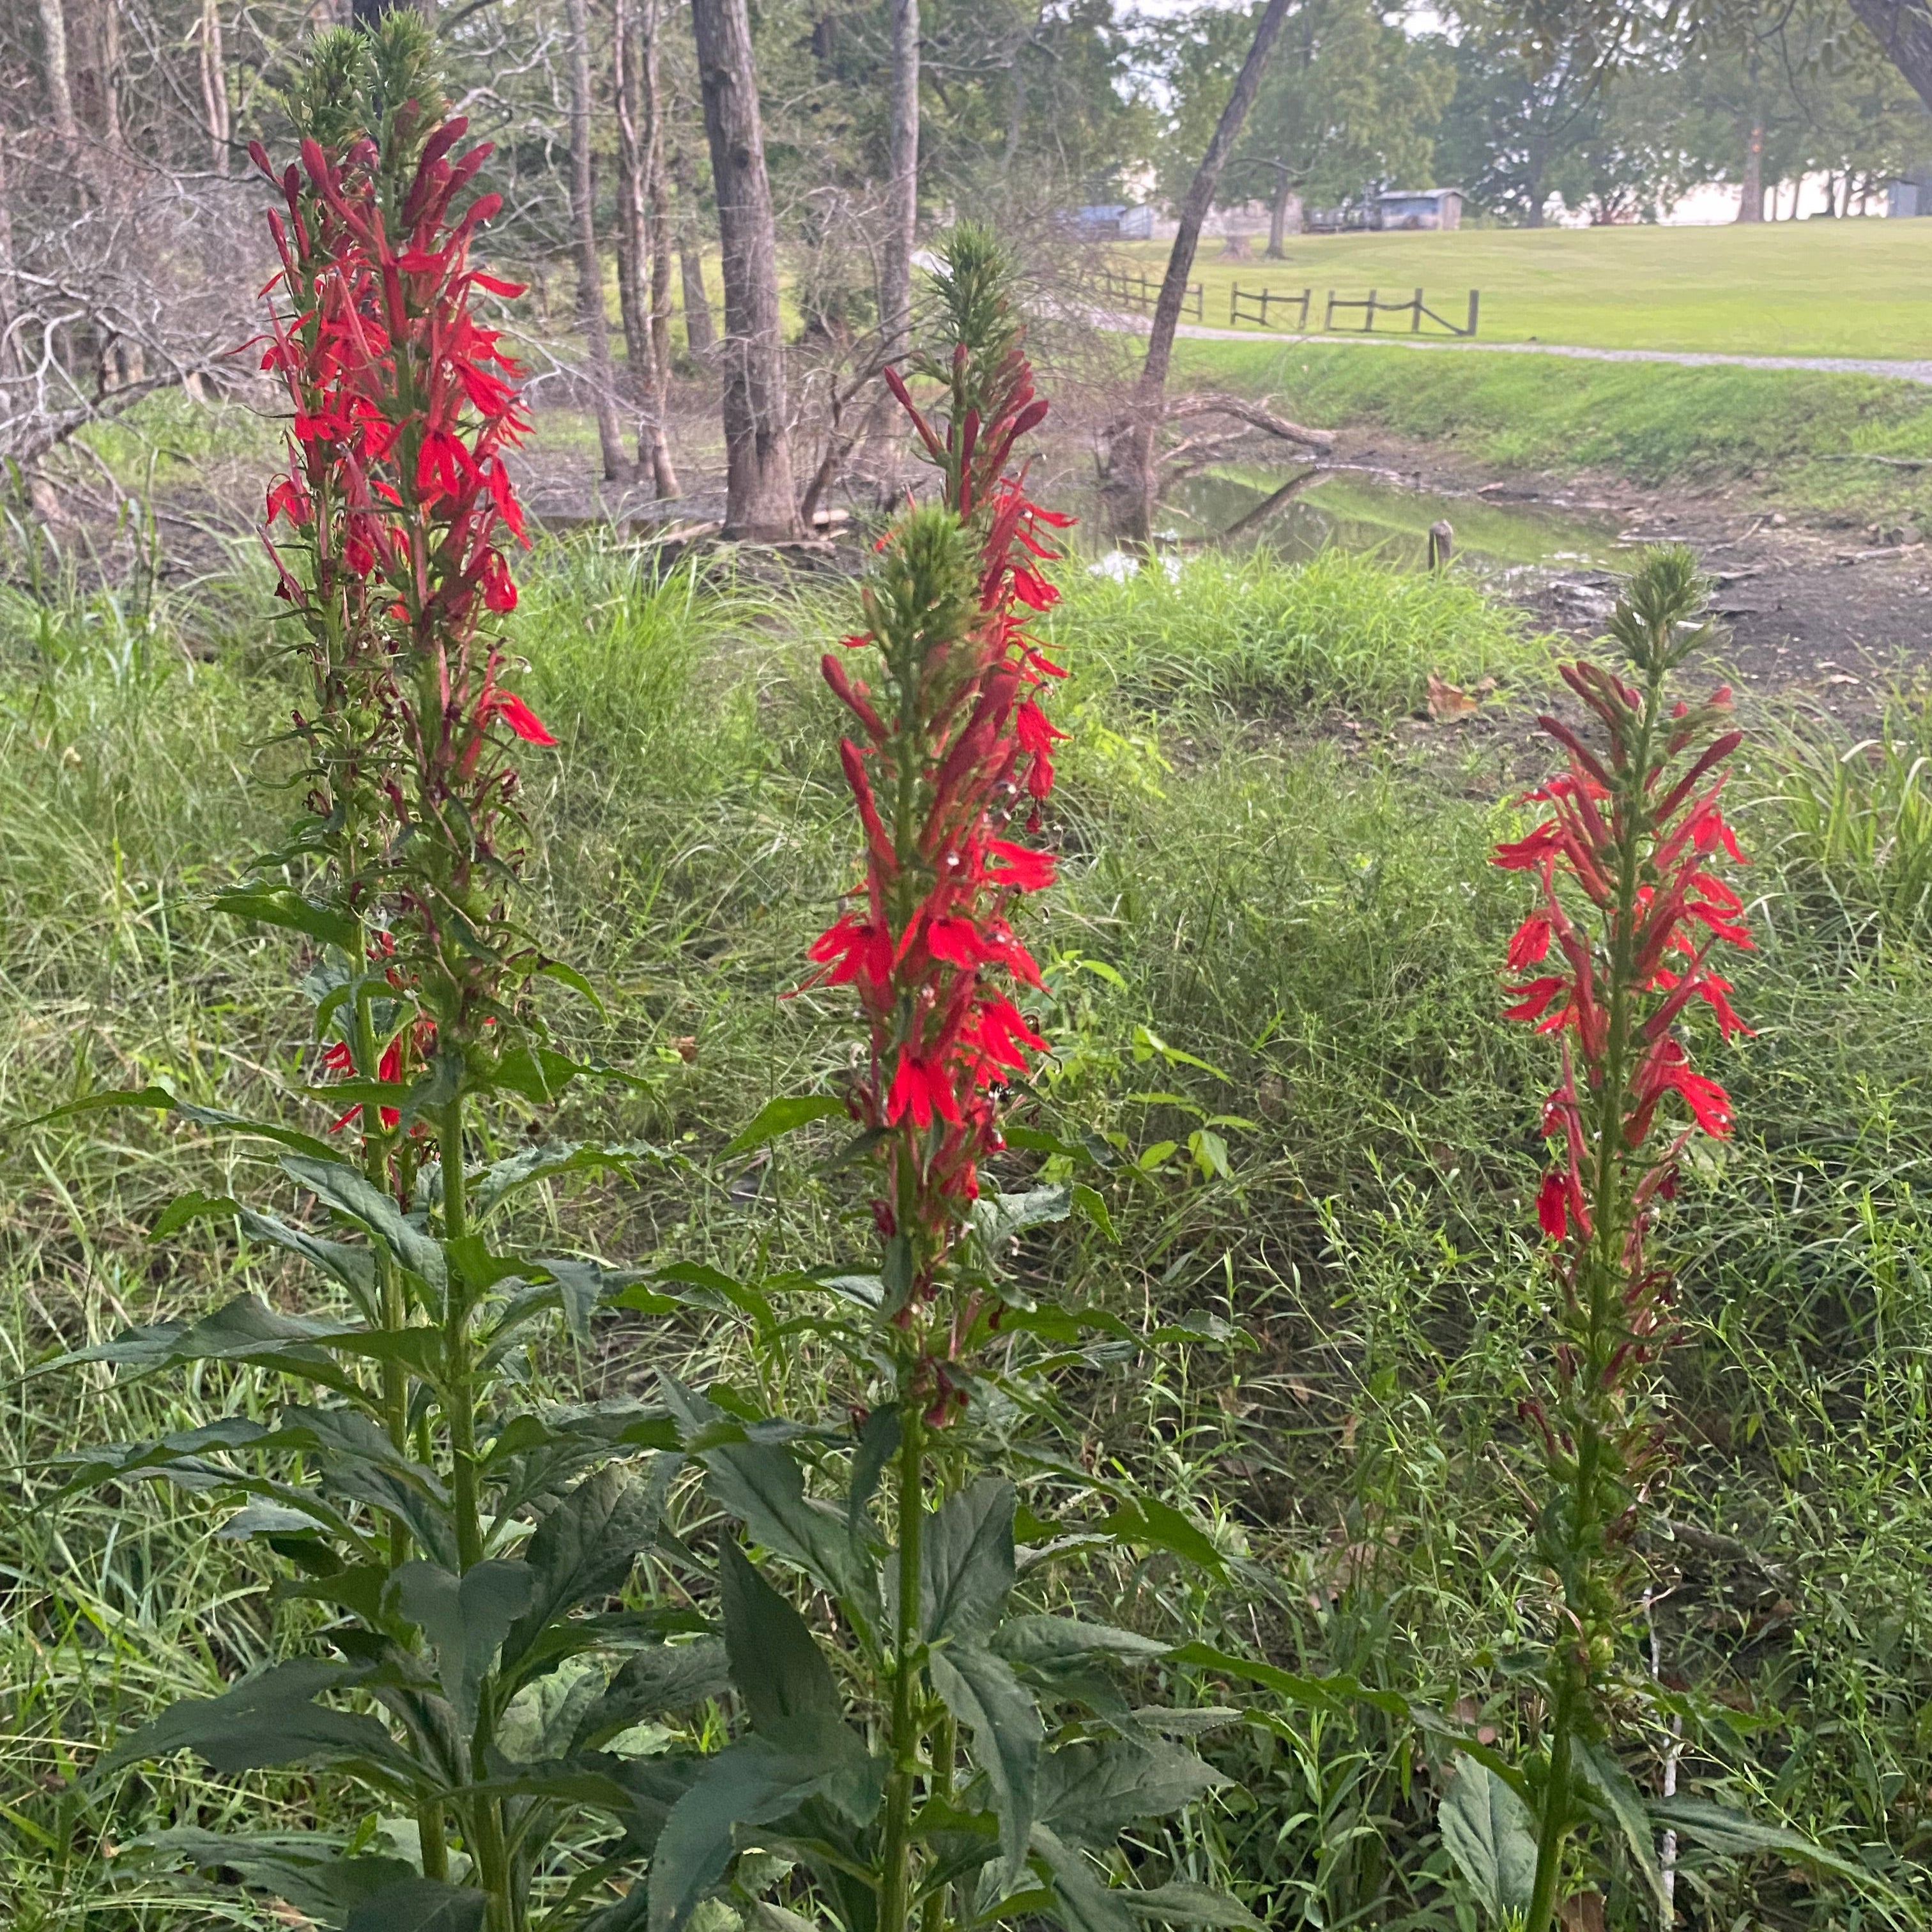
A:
x: 902, y: 189
x: 1284, y: 194
x: 760, y: 504
x: 647, y: 367
x: 60, y: 89
x: 215, y: 86
x: 656, y: 195
x: 1137, y: 481
x: 1750, y: 190
x: 1903, y: 30
x: 589, y: 271
x: 700, y: 336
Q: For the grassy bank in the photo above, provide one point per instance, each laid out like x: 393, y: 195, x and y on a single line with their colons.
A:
x: 1295, y: 931
x: 1806, y: 288
x: 1785, y: 434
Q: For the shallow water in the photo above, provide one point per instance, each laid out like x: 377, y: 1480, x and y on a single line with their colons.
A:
x: 1362, y: 512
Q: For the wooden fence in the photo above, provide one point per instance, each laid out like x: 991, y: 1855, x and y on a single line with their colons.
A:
x: 1138, y: 290
x: 1257, y: 305
x: 1372, y: 305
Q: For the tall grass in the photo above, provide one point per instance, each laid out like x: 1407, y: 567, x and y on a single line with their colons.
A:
x: 1262, y: 937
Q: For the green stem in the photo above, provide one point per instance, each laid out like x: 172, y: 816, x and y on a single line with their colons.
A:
x: 486, y: 1815
x: 1553, y: 1831
x: 945, y: 1748
x: 896, y: 1860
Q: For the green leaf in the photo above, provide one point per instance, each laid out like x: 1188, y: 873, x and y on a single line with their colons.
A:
x: 193, y: 1206
x: 966, y: 1560
x: 1181, y: 1903
x: 1087, y: 1200
x: 284, y: 906
x: 1601, y: 1773
x: 997, y: 1218
x: 1323, y: 1693
x: 207, y: 1116
x: 1490, y: 1833
x: 349, y: 1193
x: 569, y: 976
x: 583, y: 1550
x: 246, y: 1329
x: 1082, y: 1901
x: 750, y: 1783
x: 776, y: 1664
x: 270, y: 1720
x: 421, y: 1905
x: 529, y: 1165
x: 354, y: 1268
x: 878, y: 1444
x: 466, y: 1620
x: 539, y: 1073
x: 762, y: 1485
x: 1735, y: 1834
x: 782, y: 1116
x: 1148, y: 1523
x: 308, y: 1871
x: 1049, y: 1643
x: 672, y: 1677
x: 1091, y: 1793
x: 981, y: 1690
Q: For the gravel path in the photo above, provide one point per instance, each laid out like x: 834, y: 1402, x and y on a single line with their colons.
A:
x: 1920, y: 372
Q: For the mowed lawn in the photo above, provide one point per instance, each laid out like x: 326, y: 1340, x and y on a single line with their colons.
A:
x: 1860, y: 287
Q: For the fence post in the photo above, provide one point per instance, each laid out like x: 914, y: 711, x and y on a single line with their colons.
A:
x: 1234, y: 302
x: 1415, y: 317
x: 1328, y: 318
x: 1369, y: 314
x: 1475, y: 295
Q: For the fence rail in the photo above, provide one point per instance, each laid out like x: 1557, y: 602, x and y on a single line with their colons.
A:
x: 1240, y: 300
x: 1138, y: 290
x: 1372, y: 305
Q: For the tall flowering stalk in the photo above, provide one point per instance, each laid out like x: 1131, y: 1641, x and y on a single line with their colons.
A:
x: 465, y: 1549
x: 964, y: 1761
x: 1619, y: 956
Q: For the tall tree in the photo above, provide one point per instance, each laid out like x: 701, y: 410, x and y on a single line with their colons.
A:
x: 701, y: 335
x: 60, y: 87
x: 214, y: 85
x: 1134, y: 453
x: 647, y: 366
x: 759, y: 500
x: 657, y: 190
x: 902, y: 187
x: 583, y: 229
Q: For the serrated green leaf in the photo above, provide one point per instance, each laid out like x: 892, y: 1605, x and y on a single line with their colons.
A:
x: 354, y: 1268
x: 466, y: 1620
x: 750, y: 1783
x: 1490, y: 1833
x: 878, y: 1444
x: 1182, y: 1903
x: 308, y: 1871
x: 981, y: 1690
x: 966, y: 1560
x: 785, y: 1115
x: 997, y: 1218
x: 529, y: 1165
x: 652, y: 1683
x: 776, y: 1664
x: 246, y: 1329
x: 1599, y: 1771
x: 350, y: 1193
x: 282, y: 906
x: 164, y: 1099
x: 1091, y: 1793
x: 1736, y: 1834
x: 271, y: 1720
x: 539, y: 1073
x: 1050, y: 1643
x: 1082, y: 1901
x: 421, y: 1905
x: 583, y: 1550
x: 193, y: 1206
x: 1325, y: 1693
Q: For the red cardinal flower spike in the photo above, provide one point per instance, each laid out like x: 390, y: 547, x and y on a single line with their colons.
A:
x: 950, y: 758
x: 1618, y: 956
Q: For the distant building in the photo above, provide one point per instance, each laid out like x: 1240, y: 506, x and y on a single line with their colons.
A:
x: 1114, y: 221
x: 1420, y: 208
x: 1911, y: 194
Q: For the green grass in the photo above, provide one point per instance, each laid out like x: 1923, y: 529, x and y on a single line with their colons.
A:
x: 1806, y: 288
x: 1313, y: 917
x: 1784, y: 433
